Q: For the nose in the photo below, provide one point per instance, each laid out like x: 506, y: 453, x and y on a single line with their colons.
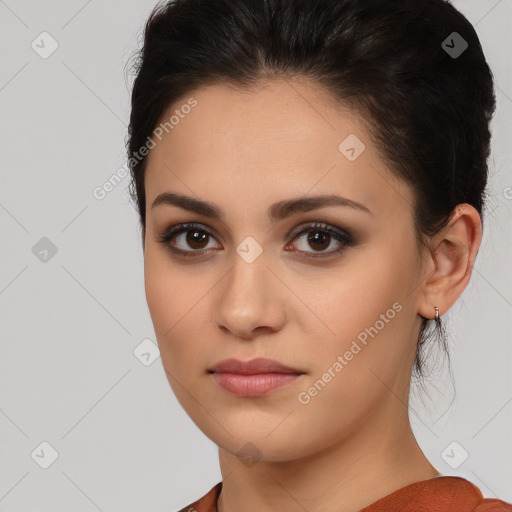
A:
x: 250, y: 300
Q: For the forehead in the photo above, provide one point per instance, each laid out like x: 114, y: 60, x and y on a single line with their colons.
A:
x: 280, y: 139
x: 279, y: 119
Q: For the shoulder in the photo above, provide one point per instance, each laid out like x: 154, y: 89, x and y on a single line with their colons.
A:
x: 464, y: 489
x: 493, y: 505
x: 208, y: 503
x: 442, y: 494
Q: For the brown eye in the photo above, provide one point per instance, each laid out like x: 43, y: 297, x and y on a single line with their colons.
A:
x: 187, y: 240
x: 321, y: 237
x: 196, y: 238
x: 319, y: 240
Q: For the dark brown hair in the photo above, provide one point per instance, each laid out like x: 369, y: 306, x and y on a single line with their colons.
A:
x: 394, y: 62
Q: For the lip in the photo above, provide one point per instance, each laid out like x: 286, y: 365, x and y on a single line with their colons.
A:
x: 254, y: 385
x: 252, y: 367
x: 254, y: 378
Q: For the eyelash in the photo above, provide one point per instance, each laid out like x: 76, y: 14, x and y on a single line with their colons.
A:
x: 342, y: 237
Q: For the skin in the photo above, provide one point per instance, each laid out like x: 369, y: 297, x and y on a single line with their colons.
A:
x: 244, y: 150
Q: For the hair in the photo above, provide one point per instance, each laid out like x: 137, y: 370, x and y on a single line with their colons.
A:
x: 427, y: 111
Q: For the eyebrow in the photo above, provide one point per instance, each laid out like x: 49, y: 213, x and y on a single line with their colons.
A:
x: 276, y: 211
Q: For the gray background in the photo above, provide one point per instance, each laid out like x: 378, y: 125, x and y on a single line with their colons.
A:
x: 70, y: 321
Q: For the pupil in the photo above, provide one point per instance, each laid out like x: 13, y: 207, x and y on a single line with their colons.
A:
x: 195, y: 238
x: 319, y: 239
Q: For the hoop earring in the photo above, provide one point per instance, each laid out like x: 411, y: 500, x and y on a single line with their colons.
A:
x: 437, y: 314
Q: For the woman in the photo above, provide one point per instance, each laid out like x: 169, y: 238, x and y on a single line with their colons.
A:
x: 310, y: 179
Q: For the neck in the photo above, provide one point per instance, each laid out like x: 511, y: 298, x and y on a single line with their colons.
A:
x: 347, y: 477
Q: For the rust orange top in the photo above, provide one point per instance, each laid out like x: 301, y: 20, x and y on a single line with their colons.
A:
x: 441, y: 494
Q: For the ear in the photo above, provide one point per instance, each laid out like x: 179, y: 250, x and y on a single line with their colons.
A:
x: 450, y: 262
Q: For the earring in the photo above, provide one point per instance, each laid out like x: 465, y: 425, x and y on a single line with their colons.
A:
x: 437, y: 313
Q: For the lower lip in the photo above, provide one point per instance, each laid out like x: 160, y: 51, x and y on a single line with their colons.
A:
x: 253, y: 385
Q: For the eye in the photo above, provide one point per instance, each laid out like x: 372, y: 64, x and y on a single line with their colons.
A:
x: 193, y: 240
x: 320, y: 237
x: 188, y: 236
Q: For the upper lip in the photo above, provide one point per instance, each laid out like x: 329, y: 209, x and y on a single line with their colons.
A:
x: 252, y: 367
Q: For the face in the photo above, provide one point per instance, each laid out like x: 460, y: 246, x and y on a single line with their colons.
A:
x: 328, y: 289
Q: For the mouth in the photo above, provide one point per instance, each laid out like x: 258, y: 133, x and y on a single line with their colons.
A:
x: 254, y: 378
x: 256, y: 366
x: 254, y: 385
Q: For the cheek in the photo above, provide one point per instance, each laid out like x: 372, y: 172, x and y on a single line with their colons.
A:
x: 159, y: 289
x: 177, y: 309
x: 368, y: 310
x: 353, y: 297
x: 167, y: 290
